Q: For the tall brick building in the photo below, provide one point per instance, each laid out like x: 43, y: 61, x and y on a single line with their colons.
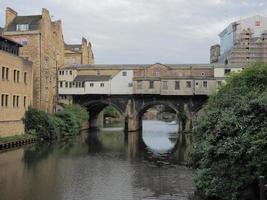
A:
x: 79, y: 53
x: 43, y: 44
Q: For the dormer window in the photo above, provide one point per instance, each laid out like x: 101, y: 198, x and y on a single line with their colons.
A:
x: 22, y: 27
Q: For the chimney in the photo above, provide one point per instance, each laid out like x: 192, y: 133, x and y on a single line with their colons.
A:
x: 10, y: 15
x: 45, y: 13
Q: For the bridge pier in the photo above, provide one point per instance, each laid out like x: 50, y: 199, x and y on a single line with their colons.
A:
x: 93, y: 119
x: 189, y: 119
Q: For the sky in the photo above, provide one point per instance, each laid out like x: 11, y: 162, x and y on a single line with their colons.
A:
x: 143, y: 31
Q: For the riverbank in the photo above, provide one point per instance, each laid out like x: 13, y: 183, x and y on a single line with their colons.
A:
x: 16, y: 141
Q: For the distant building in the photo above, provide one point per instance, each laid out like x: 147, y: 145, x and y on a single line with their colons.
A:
x: 78, y: 53
x: 43, y: 44
x: 15, y: 87
x: 242, y: 42
x: 1, y: 30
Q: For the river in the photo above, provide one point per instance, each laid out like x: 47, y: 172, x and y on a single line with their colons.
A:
x: 103, y: 165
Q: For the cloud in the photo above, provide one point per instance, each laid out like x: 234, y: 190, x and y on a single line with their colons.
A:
x: 143, y: 31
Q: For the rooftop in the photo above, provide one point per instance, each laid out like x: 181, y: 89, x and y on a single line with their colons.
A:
x: 32, y: 20
x: 142, y: 66
x: 83, y: 78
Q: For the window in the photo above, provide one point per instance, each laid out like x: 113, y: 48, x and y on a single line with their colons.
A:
x: 59, y: 72
x: 3, y: 100
x: 177, y: 85
x: 76, y: 84
x: 62, y: 72
x: 151, y: 84
x: 219, y: 83
x: 25, y: 77
x: 139, y: 85
x: 165, y: 85
x: 97, y: 72
x: 197, y: 84
x: 5, y: 73
x: 60, y: 84
x: 124, y: 73
x: 15, y: 75
x: 157, y: 74
x: 70, y: 72
x: 24, y: 101
x: 14, y: 101
x: 6, y: 102
x: 17, y: 102
x: 102, y: 84
x: 205, y: 84
x: 67, y: 72
x: 227, y: 71
x: 70, y: 84
x: 82, y: 84
x: 202, y: 73
x: 22, y: 27
x: 91, y: 84
x: 130, y: 84
x: 188, y: 84
x: 66, y: 84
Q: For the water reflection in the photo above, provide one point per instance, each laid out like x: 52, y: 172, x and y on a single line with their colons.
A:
x: 160, y: 137
x: 103, y: 165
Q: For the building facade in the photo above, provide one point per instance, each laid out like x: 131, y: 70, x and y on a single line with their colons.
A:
x: 155, y: 79
x: 243, y: 41
x: 15, y: 87
x: 43, y: 44
x: 78, y: 53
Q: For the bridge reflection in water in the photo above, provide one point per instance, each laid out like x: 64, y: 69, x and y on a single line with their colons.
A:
x: 103, y: 165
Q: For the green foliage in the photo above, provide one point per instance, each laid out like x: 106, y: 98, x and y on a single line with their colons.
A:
x: 231, y: 139
x: 47, y: 126
x: 110, y: 111
x: 79, y: 113
x: 40, y: 122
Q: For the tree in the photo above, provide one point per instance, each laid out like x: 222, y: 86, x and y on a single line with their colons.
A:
x: 231, y: 139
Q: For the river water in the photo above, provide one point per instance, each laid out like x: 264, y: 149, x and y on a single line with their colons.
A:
x: 103, y: 165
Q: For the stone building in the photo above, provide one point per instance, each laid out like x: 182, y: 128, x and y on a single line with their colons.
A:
x: 242, y: 42
x: 43, y: 44
x: 15, y: 87
x: 155, y: 79
x: 78, y: 53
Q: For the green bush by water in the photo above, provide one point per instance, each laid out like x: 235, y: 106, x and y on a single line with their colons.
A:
x: 231, y: 139
x: 63, y: 123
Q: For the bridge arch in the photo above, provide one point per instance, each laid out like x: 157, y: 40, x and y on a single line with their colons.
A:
x: 95, y: 107
x: 145, y: 107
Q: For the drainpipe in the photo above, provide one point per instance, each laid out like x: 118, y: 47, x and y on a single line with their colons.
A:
x: 40, y: 84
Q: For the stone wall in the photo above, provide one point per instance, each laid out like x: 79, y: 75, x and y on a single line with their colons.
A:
x: 45, y: 48
x: 12, y: 114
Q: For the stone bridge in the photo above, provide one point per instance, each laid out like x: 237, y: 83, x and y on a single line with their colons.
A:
x: 132, y: 107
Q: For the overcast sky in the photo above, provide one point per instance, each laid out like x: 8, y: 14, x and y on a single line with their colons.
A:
x: 143, y: 31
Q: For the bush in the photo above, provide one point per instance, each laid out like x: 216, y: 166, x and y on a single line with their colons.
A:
x: 79, y: 113
x: 66, y: 122
x: 39, y: 122
x: 231, y: 139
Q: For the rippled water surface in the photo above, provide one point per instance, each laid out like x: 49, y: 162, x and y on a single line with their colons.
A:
x: 105, y: 165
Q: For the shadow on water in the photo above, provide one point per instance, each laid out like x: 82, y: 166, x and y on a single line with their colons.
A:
x: 102, y: 165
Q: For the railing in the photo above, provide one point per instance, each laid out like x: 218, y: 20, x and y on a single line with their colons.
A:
x: 263, y: 188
